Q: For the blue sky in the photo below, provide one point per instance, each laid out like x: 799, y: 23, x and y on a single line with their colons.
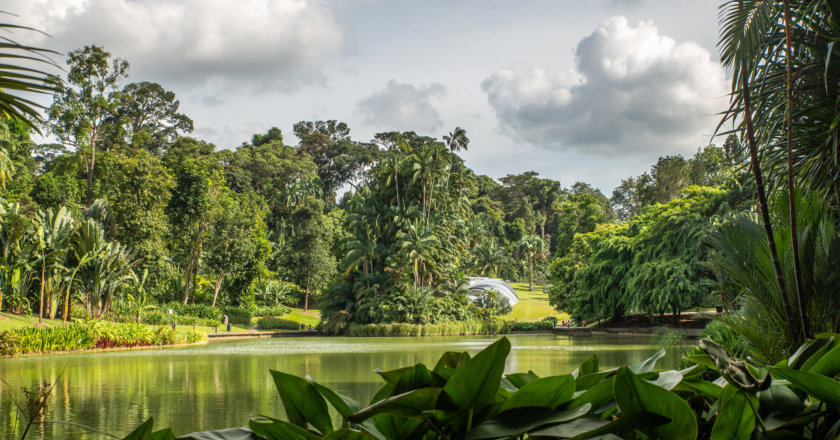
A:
x: 592, y: 91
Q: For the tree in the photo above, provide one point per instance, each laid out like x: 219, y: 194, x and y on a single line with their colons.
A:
x: 138, y: 188
x: 82, y: 105
x: 743, y: 50
x: 307, y: 257
x: 193, y: 210
x: 146, y: 116
x: 531, y: 248
x: 238, y: 241
x: 489, y: 258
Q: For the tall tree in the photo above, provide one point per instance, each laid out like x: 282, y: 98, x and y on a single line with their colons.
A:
x: 193, y: 209
x: 146, y: 116
x: 83, y: 103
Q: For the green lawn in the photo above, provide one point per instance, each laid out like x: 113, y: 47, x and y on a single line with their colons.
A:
x: 532, y: 306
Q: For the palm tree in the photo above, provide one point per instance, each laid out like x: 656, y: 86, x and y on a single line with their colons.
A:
x: 489, y: 258
x: 457, y: 140
x: 418, y: 243
x: 745, y: 28
x: 530, y: 248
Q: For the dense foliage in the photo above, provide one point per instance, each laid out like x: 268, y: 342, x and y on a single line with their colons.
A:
x: 653, y: 263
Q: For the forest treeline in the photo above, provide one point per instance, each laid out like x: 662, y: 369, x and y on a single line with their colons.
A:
x: 126, y: 210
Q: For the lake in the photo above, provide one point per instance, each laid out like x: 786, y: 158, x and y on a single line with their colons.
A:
x: 220, y: 384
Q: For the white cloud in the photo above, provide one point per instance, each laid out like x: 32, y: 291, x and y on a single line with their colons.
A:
x: 633, y: 90
x: 278, y: 44
x: 401, y: 106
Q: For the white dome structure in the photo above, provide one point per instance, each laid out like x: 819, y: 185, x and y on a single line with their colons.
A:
x: 502, y: 288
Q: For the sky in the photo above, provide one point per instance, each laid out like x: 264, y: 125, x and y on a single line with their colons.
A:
x: 591, y: 91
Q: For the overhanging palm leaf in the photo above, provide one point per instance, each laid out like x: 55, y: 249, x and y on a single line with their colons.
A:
x: 18, y: 81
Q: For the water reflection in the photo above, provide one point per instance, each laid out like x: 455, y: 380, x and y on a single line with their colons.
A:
x: 220, y: 384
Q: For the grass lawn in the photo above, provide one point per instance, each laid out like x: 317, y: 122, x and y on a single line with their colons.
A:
x: 309, y: 317
x: 532, y: 306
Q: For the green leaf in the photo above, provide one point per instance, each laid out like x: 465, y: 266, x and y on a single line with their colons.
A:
x: 447, y: 364
x: 823, y: 388
x: 589, y: 428
x: 474, y: 385
x: 519, y: 380
x: 589, y: 366
x: 702, y: 359
x: 595, y: 396
x: 347, y: 434
x: 345, y: 406
x: 807, y: 350
x: 779, y: 398
x: 668, y: 379
x: 700, y: 387
x: 587, y: 381
x: 736, y: 419
x: 302, y: 401
x: 518, y: 421
x: 141, y: 432
x: 410, y: 404
x: 633, y: 394
x: 548, y: 392
x: 828, y: 364
x: 413, y: 378
x: 221, y: 434
x: 280, y: 429
x: 649, y: 364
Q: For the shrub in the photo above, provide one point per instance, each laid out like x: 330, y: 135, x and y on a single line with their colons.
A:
x: 531, y: 326
x: 159, y: 317
x: 270, y: 322
x: 238, y: 315
x: 88, y: 335
x: 272, y: 311
x: 451, y: 328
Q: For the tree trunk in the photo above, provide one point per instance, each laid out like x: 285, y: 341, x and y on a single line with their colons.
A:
x: 41, y: 304
x: 216, y: 290
x: 306, y: 296
x: 765, y: 215
x: 187, y: 283
x: 530, y: 274
x: 794, y: 240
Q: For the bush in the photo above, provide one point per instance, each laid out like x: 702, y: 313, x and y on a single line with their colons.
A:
x: 270, y: 322
x: 159, y: 317
x: 88, y: 335
x: 238, y: 315
x: 451, y: 328
x: 203, y: 311
x: 531, y: 326
x: 272, y: 311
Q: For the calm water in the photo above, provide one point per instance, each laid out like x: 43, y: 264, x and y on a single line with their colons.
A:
x: 220, y: 384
